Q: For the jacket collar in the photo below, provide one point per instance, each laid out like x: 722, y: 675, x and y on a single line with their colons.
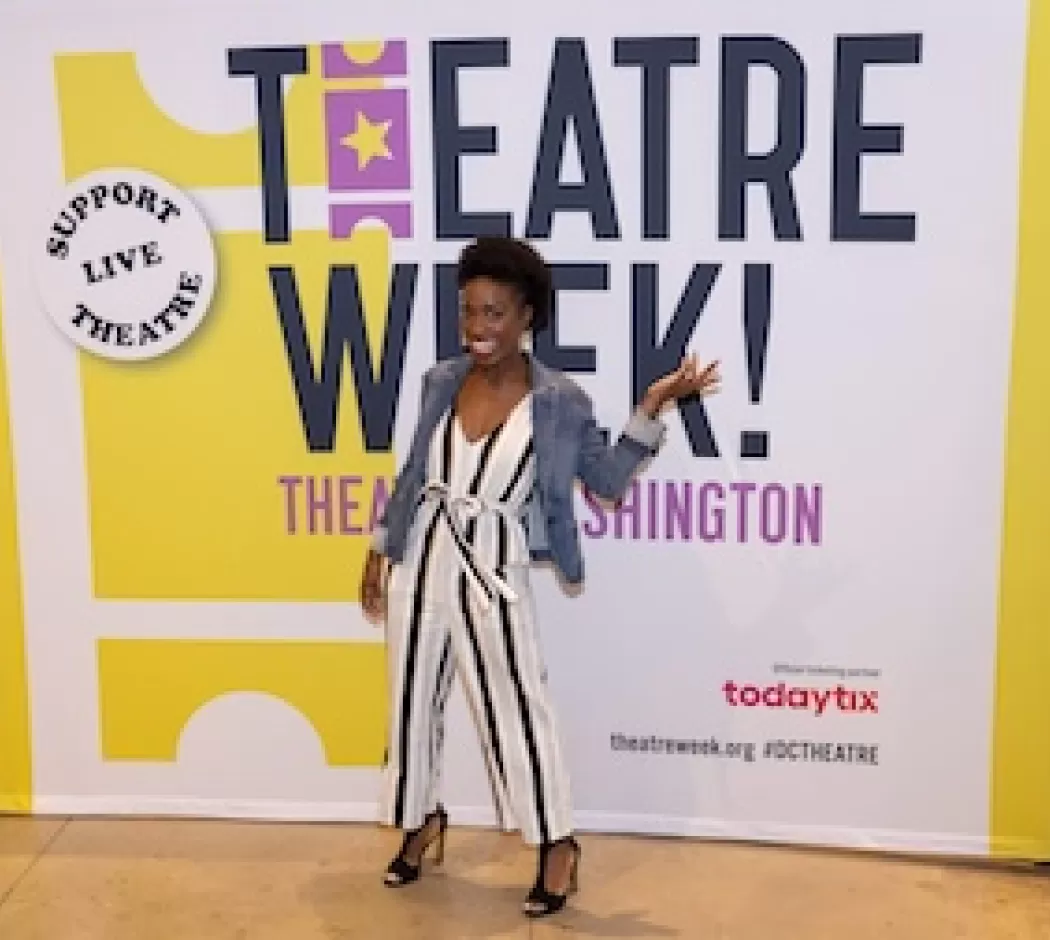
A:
x: 543, y: 379
x: 450, y: 376
x: 544, y: 419
x: 454, y: 371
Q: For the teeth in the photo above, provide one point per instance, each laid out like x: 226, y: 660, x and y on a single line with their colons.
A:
x: 483, y: 348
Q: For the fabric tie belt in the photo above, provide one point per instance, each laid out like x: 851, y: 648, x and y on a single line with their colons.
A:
x: 456, y: 510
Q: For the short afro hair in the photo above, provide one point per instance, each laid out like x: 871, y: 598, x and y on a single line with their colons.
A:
x: 513, y: 263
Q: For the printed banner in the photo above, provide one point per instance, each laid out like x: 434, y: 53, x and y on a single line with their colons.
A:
x: 228, y: 247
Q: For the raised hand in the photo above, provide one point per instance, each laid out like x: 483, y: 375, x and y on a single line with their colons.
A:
x: 687, y: 380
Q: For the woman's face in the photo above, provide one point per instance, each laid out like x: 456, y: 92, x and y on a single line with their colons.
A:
x: 492, y: 320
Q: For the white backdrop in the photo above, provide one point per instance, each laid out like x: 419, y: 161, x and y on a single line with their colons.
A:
x: 884, y: 389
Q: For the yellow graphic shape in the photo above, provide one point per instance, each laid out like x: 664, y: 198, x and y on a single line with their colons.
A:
x: 368, y: 140
x: 130, y: 130
x: 364, y: 53
x: 150, y: 689
x: 184, y: 453
x: 16, y: 778
x: 1020, y: 811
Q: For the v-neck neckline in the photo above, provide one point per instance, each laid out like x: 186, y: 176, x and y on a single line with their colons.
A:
x: 477, y: 442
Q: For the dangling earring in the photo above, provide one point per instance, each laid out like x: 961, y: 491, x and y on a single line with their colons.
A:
x: 526, y: 341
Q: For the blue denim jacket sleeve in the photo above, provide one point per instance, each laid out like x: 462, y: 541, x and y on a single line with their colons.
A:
x: 379, y: 531
x: 607, y: 470
x: 379, y: 538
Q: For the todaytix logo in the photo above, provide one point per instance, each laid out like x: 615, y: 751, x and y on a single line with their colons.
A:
x: 817, y: 701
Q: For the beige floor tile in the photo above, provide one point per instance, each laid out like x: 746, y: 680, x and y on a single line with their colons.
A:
x: 21, y: 841
x: 154, y: 880
x: 657, y: 888
x: 213, y: 881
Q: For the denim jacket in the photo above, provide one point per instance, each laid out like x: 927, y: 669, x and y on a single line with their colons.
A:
x: 568, y: 444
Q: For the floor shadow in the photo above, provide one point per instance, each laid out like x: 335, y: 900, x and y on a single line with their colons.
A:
x: 353, y: 906
x: 621, y: 924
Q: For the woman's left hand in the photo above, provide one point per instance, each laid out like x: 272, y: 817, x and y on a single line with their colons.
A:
x: 687, y: 380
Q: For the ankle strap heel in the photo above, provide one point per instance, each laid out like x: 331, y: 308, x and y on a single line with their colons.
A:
x: 541, y: 902
x: 401, y: 872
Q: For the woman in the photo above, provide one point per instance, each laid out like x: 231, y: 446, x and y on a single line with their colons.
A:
x: 486, y: 488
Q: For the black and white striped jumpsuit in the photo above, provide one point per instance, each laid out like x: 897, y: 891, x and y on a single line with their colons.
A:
x: 460, y: 602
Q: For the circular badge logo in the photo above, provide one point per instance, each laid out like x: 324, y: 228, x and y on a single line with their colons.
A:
x: 127, y: 266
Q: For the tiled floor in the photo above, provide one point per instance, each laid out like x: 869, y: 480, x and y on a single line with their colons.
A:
x: 158, y: 880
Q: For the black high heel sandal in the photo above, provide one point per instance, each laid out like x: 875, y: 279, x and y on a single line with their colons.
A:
x: 541, y: 902
x: 400, y: 872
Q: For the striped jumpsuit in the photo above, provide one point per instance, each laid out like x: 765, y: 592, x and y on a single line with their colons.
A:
x: 460, y: 602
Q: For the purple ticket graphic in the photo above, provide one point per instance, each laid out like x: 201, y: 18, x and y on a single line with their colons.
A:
x: 368, y: 140
x: 344, y: 218
x: 392, y: 60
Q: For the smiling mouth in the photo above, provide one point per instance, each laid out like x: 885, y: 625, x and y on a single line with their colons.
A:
x: 483, y: 347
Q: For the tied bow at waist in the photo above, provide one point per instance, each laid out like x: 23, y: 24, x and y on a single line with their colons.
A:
x: 456, y: 510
